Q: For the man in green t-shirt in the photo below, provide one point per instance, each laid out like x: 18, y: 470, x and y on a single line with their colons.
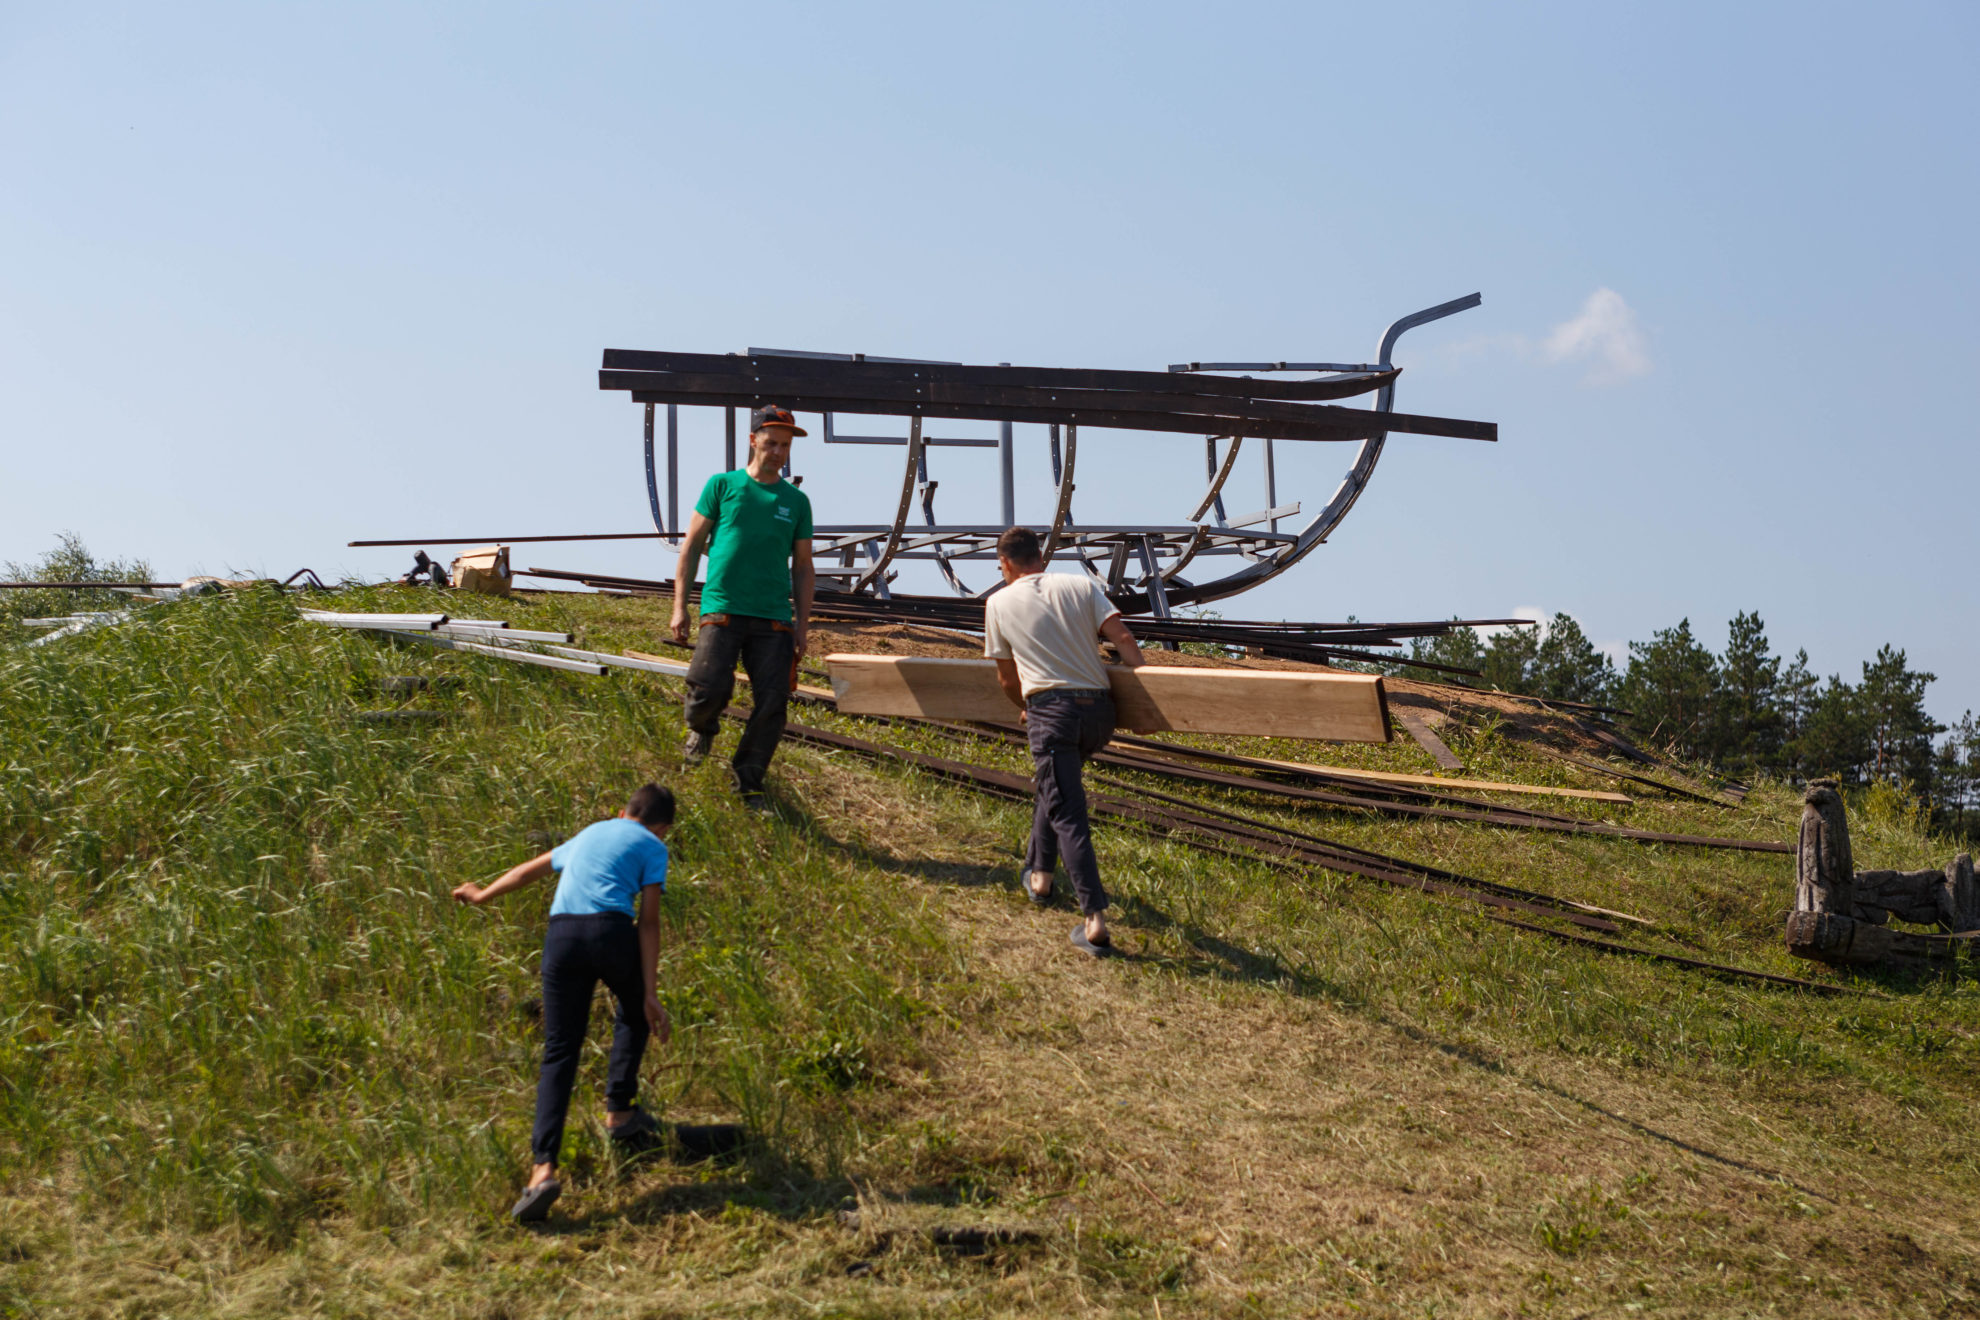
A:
x: 756, y: 528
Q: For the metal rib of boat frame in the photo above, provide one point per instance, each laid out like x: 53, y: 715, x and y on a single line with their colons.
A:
x: 1183, y: 399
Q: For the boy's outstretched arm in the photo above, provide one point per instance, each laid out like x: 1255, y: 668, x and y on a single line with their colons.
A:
x: 514, y: 878
x: 649, y: 961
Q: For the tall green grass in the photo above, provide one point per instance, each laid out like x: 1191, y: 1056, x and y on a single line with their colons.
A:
x: 233, y: 988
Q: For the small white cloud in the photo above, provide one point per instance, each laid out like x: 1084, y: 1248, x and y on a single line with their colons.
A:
x: 1605, y: 336
x: 1533, y: 612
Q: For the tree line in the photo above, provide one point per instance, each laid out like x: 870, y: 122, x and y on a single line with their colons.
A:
x: 1746, y: 711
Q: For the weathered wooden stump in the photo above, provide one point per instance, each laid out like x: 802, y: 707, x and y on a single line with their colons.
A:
x: 1841, y: 915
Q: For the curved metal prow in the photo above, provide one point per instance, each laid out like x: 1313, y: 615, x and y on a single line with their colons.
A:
x: 1351, y: 485
x: 652, y: 485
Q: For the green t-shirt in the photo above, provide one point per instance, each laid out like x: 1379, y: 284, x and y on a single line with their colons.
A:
x: 749, y: 547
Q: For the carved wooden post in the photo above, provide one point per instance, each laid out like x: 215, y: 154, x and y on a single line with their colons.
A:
x: 1841, y: 915
x: 1823, y: 925
x: 1959, y: 901
x: 1824, y: 871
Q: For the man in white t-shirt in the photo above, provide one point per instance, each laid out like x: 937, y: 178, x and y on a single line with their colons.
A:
x: 1043, y: 630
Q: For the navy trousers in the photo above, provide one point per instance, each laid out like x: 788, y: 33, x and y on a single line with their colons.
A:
x: 578, y: 953
x: 1066, y: 727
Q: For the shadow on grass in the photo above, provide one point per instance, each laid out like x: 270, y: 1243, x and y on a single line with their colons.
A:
x: 1231, y: 963
x: 961, y: 875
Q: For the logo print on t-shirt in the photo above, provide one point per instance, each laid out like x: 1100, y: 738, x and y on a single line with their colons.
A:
x: 784, y: 512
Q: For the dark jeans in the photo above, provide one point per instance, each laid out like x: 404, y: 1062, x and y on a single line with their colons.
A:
x: 1066, y: 726
x: 578, y: 953
x: 765, y: 647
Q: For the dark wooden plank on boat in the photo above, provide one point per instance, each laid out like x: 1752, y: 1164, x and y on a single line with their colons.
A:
x: 1353, y: 424
x: 1218, y: 412
x: 1160, y: 382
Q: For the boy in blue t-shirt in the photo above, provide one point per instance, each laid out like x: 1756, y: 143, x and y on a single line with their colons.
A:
x: 606, y: 869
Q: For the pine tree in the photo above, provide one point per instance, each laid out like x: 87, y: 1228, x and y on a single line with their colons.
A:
x: 1957, y: 774
x: 1795, y: 693
x: 1670, y: 686
x: 1567, y: 667
x: 1900, y: 733
x: 1834, y: 737
x: 1747, y: 729
x: 1508, y: 661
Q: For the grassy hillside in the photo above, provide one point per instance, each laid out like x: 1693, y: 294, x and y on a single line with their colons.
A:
x: 252, y: 1061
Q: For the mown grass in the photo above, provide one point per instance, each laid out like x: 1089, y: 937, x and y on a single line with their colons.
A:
x: 236, y: 1005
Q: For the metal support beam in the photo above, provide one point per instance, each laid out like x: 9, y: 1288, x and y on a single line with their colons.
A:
x: 1063, y: 474
x: 1271, y: 481
x: 674, y: 467
x: 1158, y: 597
x: 1005, y: 471
x: 877, y: 571
x: 880, y: 587
x: 728, y: 439
x: 1219, y: 474
x: 1117, y: 566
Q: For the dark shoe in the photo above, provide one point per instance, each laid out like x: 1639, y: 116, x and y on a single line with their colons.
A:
x: 1099, y: 948
x: 1037, y: 898
x: 534, y: 1207
x: 757, y: 804
x: 697, y: 748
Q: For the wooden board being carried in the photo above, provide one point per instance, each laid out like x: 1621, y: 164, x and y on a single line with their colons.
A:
x: 1154, y: 698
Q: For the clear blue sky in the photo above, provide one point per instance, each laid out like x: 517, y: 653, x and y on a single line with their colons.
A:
x: 276, y: 277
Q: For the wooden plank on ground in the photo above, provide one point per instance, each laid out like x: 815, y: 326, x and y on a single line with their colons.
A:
x: 1413, y: 724
x: 1439, y: 781
x: 1336, y: 707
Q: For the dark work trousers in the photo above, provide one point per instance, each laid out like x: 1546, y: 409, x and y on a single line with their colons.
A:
x: 1067, y: 726
x: 765, y: 647
x: 578, y: 953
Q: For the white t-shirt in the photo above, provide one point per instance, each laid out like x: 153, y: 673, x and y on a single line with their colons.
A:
x: 1050, y: 624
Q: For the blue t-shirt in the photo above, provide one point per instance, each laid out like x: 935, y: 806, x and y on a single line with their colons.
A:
x: 604, y: 866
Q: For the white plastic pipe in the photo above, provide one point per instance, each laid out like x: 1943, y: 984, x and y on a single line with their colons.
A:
x: 502, y: 634
x: 425, y: 622
x: 500, y: 652
x: 667, y: 667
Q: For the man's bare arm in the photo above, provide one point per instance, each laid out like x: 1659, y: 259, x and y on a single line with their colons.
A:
x: 1116, y: 631
x: 684, y: 570
x: 804, y: 579
x: 1007, y: 678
